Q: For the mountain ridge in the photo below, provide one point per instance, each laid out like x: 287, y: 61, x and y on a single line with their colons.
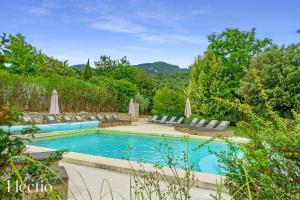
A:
x: 154, y: 68
x: 160, y: 67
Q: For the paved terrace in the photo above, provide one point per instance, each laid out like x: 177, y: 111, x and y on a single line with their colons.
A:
x: 144, y: 127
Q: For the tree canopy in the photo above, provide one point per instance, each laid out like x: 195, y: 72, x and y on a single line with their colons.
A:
x: 236, y: 49
x: 277, y: 71
x: 207, y: 82
x: 168, y: 102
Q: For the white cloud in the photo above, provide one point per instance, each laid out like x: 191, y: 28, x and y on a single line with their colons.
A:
x: 39, y: 11
x: 200, y: 11
x: 173, y: 38
x: 117, y: 24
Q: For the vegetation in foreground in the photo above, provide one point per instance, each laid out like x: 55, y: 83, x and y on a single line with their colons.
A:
x: 18, y: 170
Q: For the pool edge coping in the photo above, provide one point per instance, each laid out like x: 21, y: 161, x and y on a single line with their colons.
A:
x: 87, y: 131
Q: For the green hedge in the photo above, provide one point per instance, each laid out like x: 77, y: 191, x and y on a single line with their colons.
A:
x: 33, y: 93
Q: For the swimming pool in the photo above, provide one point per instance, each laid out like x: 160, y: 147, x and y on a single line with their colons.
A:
x: 142, y: 148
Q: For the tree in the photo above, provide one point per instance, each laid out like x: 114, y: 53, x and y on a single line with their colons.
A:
x: 87, y: 74
x: 3, y: 42
x: 27, y: 60
x: 277, y: 71
x: 236, y: 49
x: 207, y: 82
x: 143, y: 82
x: 23, y: 57
x: 143, y: 102
x: 106, y: 65
x: 168, y: 102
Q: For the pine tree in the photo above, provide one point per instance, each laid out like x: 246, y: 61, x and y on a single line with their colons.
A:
x: 87, y: 74
x: 207, y: 82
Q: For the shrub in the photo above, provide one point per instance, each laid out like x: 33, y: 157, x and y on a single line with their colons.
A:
x: 270, y: 165
x: 207, y: 82
x: 29, y: 172
x: 168, y: 102
x: 33, y: 93
x: 277, y: 71
x: 122, y: 91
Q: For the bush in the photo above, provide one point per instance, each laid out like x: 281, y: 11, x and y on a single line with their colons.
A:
x: 270, y: 165
x: 122, y: 90
x: 277, y: 71
x: 143, y: 102
x: 207, y: 82
x: 168, y: 102
x: 29, y: 171
x: 33, y: 93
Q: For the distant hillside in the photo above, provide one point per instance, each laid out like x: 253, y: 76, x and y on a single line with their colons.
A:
x: 160, y: 68
x: 79, y: 66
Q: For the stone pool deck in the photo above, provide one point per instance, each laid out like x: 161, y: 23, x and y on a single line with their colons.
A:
x: 151, y: 128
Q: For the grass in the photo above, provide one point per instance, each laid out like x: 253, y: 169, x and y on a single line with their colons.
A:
x: 237, y: 131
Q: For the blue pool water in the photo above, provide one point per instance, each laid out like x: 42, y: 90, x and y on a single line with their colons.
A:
x: 142, y: 148
x: 53, y: 127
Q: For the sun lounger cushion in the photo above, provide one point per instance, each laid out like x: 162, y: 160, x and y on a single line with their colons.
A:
x: 201, y: 123
x: 100, y: 118
x: 107, y: 118
x: 171, y: 120
x: 51, y: 119
x: 93, y: 118
x: 115, y: 117
x: 27, y: 119
x: 222, y: 125
x: 163, y: 119
x: 178, y: 122
x: 193, y: 122
x: 154, y: 118
x: 67, y: 118
x: 212, y: 124
x: 78, y: 118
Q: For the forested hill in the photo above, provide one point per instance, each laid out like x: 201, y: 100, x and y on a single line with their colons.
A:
x: 160, y: 68
x: 79, y: 66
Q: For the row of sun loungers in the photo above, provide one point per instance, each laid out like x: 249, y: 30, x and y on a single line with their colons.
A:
x: 196, y: 124
x: 51, y: 119
x: 164, y: 120
x: 205, y: 125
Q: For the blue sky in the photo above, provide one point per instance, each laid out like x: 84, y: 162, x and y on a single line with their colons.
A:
x: 143, y: 30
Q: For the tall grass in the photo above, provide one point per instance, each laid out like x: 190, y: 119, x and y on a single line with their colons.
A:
x: 32, y: 93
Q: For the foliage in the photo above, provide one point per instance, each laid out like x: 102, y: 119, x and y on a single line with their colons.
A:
x: 236, y: 49
x: 148, y: 185
x: 168, y: 102
x: 122, y: 91
x: 27, y: 60
x: 143, y: 102
x: 3, y: 42
x: 277, y: 71
x: 160, y: 68
x: 16, y: 164
x: 143, y: 82
x: 270, y: 159
x: 106, y: 65
x: 33, y: 93
x: 121, y: 70
x: 177, y: 81
x: 87, y: 73
x: 207, y: 82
